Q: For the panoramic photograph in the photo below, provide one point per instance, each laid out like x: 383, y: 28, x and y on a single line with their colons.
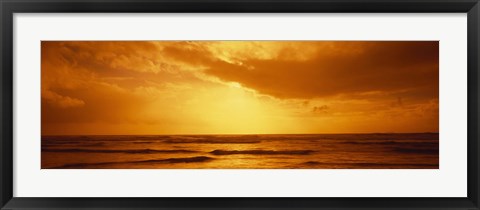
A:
x: 240, y: 104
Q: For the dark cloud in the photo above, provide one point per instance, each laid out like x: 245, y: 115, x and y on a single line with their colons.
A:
x: 378, y: 66
x: 320, y: 109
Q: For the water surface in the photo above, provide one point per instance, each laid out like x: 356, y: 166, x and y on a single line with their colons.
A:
x: 292, y: 151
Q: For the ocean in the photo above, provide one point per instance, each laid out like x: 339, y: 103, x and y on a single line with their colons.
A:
x: 289, y: 151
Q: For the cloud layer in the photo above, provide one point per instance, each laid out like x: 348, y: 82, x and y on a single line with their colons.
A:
x: 195, y: 87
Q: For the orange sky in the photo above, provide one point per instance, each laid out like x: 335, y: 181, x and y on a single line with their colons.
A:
x: 238, y: 87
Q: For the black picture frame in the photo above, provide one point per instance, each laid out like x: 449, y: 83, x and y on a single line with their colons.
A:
x: 9, y: 7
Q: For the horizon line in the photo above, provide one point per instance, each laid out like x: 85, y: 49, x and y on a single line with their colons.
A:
x: 226, y: 134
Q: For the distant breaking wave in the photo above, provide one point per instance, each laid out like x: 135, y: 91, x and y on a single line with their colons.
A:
x: 169, y: 160
x: 213, y: 139
x: 139, y: 151
x: 183, y: 141
x: 417, y: 151
x: 262, y: 152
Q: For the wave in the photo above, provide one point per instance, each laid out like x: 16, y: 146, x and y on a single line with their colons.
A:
x: 354, y: 137
x: 388, y: 142
x: 262, y: 152
x: 375, y: 142
x: 139, y: 151
x: 367, y: 165
x: 104, y: 137
x: 211, y: 141
x: 417, y: 151
x: 196, y: 159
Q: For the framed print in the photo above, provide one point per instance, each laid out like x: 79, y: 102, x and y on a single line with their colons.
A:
x: 239, y: 105
x: 223, y: 120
